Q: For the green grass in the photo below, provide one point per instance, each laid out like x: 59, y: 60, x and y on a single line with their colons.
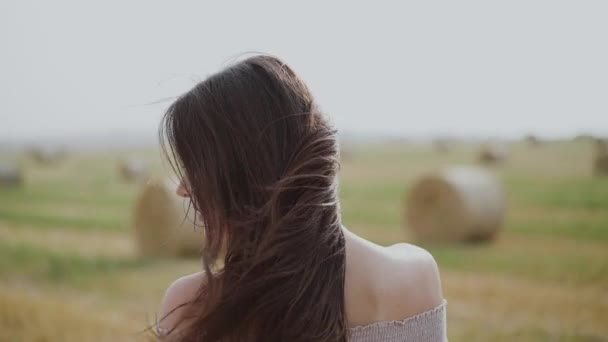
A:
x: 384, y: 218
x: 40, y: 264
x: 588, y: 193
x: 371, y: 192
x: 597, y: 231
x: 555, y: 239
x: 542, y: 266
x: 54, y: 193
x: 377, y: 204
x: 43, y: 221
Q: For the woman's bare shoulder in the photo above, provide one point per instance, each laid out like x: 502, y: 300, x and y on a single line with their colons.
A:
x: 412, y: 254
x: 180, y: 292
x: 412, y: 284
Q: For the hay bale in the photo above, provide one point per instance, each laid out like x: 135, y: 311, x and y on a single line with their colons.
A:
x: 133, y: 169
x: 162, y: 223
x: 493, y: 153
x: 459, y: 204
x: 11, y: 175
x: 600, y: 166
x: 601, y: 147
x: 47, y: 154
x: 583, y: 137
x: 532, y: 140
x: 441, y: 145
x: 600, y: 162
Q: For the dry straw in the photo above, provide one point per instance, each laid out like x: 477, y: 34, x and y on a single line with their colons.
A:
x: 11, y: 174
x: 163, y: 222
x: 493, y: 153
x: 442, y: 145
x: 31, y: 314
x: 458, y: 204
x: 600, y: 160
x: 532, y: 140
x: 133, y: 169
x: 47, y: 154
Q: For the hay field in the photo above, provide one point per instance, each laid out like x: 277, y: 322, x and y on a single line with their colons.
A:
x: 69, y: 270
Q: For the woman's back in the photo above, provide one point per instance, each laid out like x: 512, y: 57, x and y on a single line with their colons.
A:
x: 391, y: 293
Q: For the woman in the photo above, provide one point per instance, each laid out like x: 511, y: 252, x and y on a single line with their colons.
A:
x: 258, y: 160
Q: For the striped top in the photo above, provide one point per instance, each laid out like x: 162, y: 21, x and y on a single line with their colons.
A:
x: 429, y: 326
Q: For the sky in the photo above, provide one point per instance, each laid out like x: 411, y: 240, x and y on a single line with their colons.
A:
x: 417, y: 68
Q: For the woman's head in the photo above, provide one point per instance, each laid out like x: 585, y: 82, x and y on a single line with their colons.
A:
x: 259, y: 161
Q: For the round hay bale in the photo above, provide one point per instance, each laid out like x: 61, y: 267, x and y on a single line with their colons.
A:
x: 163, y: 222
x: 600, y: 166
x: 133, y: 169
x: 532, y: 140
x: 464, y: 204
x: 494, y: 153
x: 601, y: 147
x: 583, y: 137
x: 600, y: 162
x: 441, y: 145
x: 47, y: 154
x: 11, y: 175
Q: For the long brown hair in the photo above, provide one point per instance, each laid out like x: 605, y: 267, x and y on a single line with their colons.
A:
x: 261, y: 160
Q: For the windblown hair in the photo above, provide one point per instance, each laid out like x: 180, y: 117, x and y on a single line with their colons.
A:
x: 261, y: 160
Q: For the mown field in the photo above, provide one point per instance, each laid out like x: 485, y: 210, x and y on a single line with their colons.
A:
x: 69, y: 270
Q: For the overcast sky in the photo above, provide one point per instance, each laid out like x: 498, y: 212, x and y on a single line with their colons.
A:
x: 484, y: 68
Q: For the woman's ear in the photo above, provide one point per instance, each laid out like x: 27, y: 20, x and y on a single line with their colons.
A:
x: 183, y: 189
